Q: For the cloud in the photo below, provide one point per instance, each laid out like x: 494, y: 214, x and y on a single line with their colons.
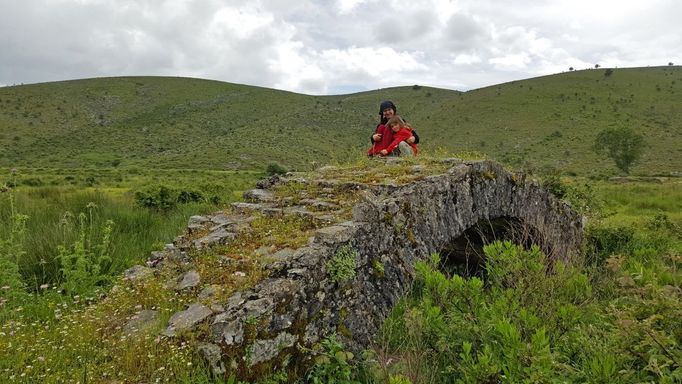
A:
x: 321, y: 47
x: 465, y: 34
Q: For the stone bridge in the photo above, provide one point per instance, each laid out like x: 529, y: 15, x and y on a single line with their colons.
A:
x: 360, y: 258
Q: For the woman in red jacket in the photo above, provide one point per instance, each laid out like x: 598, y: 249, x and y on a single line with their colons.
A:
x: 383, y: 135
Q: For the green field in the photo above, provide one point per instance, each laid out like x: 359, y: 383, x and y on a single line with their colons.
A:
x: 158, y: 122
x: 97, y: 173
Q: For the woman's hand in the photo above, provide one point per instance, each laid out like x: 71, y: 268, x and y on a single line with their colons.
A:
x: 410, y: 140
x: 376, y: 137
x: 384, y: 152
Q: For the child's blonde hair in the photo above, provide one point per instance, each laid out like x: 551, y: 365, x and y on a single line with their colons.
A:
x: 395, y: 120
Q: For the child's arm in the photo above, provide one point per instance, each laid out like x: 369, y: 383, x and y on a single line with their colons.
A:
x: 399, y: 136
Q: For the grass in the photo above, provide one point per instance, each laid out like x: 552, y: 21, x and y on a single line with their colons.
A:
x: 590, y: 313
x: 49, y: 336
x: 633, y: 203
x: 610, y: 318
x: 198, y: 124
x: 88, y: 343
x: 53, y: 212
x: 88, y: 146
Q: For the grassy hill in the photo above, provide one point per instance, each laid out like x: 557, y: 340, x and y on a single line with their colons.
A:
x: 190, y: 123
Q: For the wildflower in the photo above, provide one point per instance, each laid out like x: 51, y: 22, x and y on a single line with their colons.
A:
x: 240, y: 274
x: 14, y: 171
x: 44, y: 286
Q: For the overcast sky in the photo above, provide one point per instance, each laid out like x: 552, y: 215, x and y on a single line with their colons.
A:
x: 335, y: 46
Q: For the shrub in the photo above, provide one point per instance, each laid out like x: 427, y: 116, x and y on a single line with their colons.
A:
x: 185, y: 197
x: 275, y: 169
x: 158, y: 197
x: 604, y: 241
x: 553, y: 184
x: 32, y: 182
x: 83, y: 263
x: 332, y: 365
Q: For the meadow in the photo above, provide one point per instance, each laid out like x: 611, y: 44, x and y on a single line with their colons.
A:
x: 181, y: 123
x: 130, y: 212
x: 98, y: 173
x: 611, y: 315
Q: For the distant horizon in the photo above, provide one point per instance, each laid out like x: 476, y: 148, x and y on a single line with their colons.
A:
x: 337, y: 94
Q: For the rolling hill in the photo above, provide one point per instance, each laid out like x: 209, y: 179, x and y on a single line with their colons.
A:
x: 165, y: 122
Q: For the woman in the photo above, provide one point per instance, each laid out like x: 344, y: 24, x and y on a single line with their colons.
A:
x: 383, y: 136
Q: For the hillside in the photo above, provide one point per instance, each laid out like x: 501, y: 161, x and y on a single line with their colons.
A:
x: 191, y: 123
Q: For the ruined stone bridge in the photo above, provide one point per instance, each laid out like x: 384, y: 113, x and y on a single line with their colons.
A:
x: 360, y: 258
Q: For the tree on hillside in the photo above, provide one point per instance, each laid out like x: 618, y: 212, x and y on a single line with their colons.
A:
x: 596, y: 66
x: 623, y: 145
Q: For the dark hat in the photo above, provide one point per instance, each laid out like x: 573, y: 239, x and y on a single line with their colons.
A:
x: 387, y: 104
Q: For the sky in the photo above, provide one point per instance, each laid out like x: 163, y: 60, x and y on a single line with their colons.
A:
x: 328, y: 47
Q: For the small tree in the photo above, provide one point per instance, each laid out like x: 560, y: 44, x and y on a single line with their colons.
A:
x: 623, y: 145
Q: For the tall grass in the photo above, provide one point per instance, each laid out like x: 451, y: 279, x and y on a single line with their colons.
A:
x: 634, y: 202
x: 52, y: 221
x: 59, y: 329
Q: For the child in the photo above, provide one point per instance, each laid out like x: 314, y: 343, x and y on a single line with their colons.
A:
x: 401, y: 132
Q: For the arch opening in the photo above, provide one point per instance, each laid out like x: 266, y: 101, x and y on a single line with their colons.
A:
x: 464, y: 256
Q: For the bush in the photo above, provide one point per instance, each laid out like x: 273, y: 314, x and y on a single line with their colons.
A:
x: 604, y: 241
x: 83, y: 263
x: 332, y: 365
x: 32, y: 182
x: 158, y: 197
x: 185, y: 197
x: 275, y: 169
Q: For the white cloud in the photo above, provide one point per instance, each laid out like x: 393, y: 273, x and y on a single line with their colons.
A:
x: 321, y: 47
x: 466, y: 59
x: 345, y: 6
x: 515, y: 61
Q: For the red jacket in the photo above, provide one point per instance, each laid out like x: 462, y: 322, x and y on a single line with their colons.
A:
x: 402, y: 135
x: 386, y: 139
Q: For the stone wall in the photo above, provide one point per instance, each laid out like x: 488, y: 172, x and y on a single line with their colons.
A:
x: 351, y: 273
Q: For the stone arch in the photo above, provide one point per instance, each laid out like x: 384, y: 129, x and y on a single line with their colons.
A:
x: 465, y: 256
x: 392, y: 227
